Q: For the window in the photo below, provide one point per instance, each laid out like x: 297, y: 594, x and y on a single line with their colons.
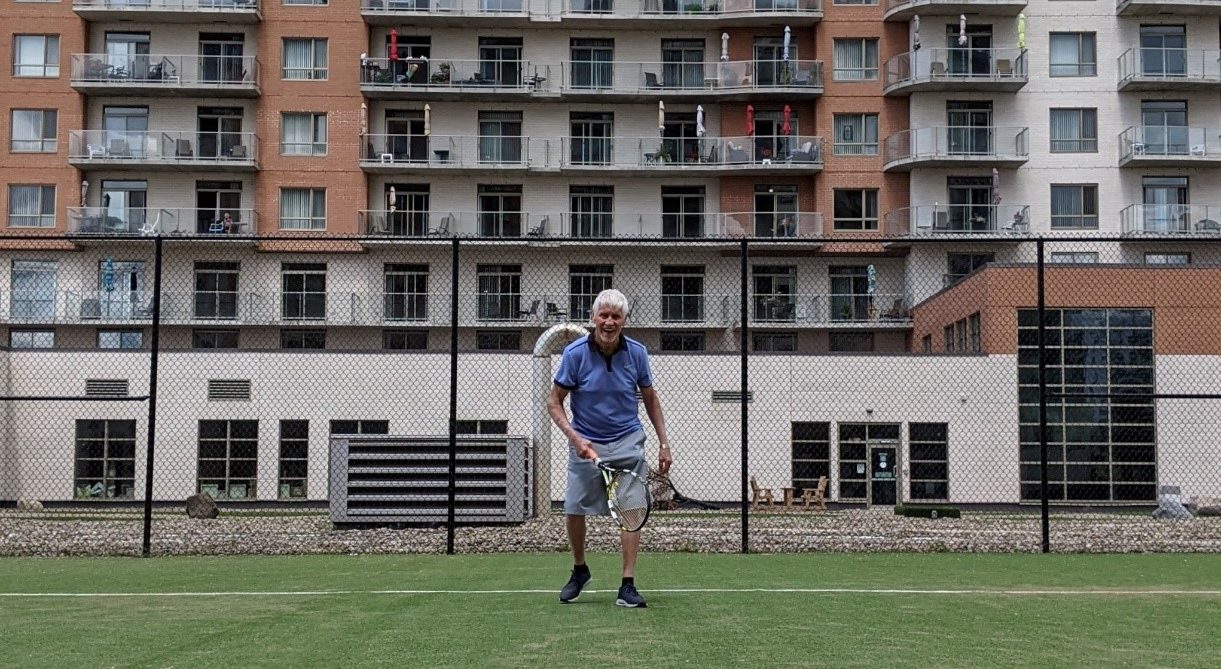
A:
x: 1167, y: 258
x: 1074, y: 131
x: 34, y: 131
x: 303, y: 339
x: 481, y: 426
x: 35, y: 55
x: 682, y: 293
x: 949, y: 338
x: 1074, y: 206
x: 303, y: 134
x: 1077, y: 257
x: 500, y: 59
x: 500, y: 138
x: 682, y: 341
x: 406, y: 296
x: 31, y: 339
x: 928, y: 461
x: 31, y: 206
x: 850, y: 342
x: 682, y: 211
x: 316, y: 3
x: 302, y: 208
x: 584, y: 284
x: 591, y: 211
x: 405, y: 340
x: 926, y: 344
x: 499, y: 292
x: 856, y: 59
x: 774, y: 342
x: 228, y: 458
x: 303, y: 291
x: 855, y: 2
x: 216, y: 290
x: 811, y: 455
x: 856, y: 210
x: 1073, y: 55
x: 34, y: 290
x: 304, y: 58
x: 213, y: 339
x: 856, y: 135
x: 496, y: 340
x: 500, y: 213
x: 592, y: 136
x: 360, y: 427
x: 294, y: 458
x: 593, y: 63
x: 975, y: 332
x: 105, y: 459
x: 775, y: 288
x: 120, y: 339
x: 959, y: 265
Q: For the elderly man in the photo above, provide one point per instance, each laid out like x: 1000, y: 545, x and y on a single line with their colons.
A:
x: 602, y: 372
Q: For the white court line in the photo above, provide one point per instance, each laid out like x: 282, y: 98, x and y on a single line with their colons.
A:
x: 679, y: 591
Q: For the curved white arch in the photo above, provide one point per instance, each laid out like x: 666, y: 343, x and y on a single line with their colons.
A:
x: 540, y: 421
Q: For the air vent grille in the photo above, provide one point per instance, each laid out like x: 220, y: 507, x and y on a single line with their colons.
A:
x: 106, y: 388
x: 228, y: 390
x: 731, y: 396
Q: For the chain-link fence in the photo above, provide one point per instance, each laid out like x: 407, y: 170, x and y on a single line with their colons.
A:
x: 379, y: 394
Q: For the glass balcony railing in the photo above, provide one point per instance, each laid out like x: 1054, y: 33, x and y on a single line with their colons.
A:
x: 164, y: 72
x: 959, y: 219
x: 589, y: 224
x: 694, y: 153
x: 1171, y: 219
x: 1179, y: 7
x: 471, y: 76
x: 163, y: 147
x: 113, y: 220
x: 962, y: 67
x: 702, y: 78
x: 222, y: 8
x: 1170, y: 67
x: 1147, y: 143
x: 446, y: 151
x: 579, y: 9
x: 958, y: 144
x: 899, y: 10
x: 470, y: 8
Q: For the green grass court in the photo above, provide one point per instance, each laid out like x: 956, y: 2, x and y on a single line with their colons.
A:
x: 1091, y: 610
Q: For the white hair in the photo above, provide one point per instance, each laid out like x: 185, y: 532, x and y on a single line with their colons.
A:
x: 610, y: 298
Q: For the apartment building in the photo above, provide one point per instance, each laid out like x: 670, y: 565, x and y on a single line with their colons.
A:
x: 874, y: 154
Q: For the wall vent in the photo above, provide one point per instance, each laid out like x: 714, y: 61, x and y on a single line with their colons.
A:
x: 228, y: 390
x: 731, y: 396
x: 106, y: 388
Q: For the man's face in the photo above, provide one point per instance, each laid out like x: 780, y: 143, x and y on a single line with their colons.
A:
x: 608, y: 323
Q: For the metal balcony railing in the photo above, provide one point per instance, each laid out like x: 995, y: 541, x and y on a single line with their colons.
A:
x: 447, y: 74
x: 1170, y: 66
x: 1180, y: 7
x: 959, y: 219
x: 1171, y: 219
x: 693, y: 153
x: 589, y: 225
x: 702, y: 78
x: 447, y: 151
x: 958, y: 143
x: 1168, y: 141
x: 202, y: 6
x: 901, y: 9
x: 163, y: 221
x: 501, y: 8
x: 163, y: 146
x: 962, y: 66
x: 164, y: 71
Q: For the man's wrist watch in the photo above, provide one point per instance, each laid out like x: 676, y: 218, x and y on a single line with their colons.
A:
x: 665, y: 446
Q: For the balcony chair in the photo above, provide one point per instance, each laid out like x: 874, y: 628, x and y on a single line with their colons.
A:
x: 1004, y: 68
x: 737, y: 154
x: 1198, y: 150
x: 650, y: 80
x: 805, y: 154
x: 532, y: 312
x: 118, y: 147
x: 540, y: 229
x: 442, y: 229
x: 182, y: 148
x: 936, y: 69
x: 556, y: 313
x: 1019, y: 225
x: 1208, y: 225
x: 896, y: 312
x: 238, y: 151
x: 817, y: 496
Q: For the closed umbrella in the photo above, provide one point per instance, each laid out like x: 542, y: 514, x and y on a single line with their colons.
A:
x: 962, y: 30
x: 996, y: 186
x: 84, y: 190
x: 394, y: 44
x: 750, y: 120
x: 364, y: 119
x: 427, y: 120
x: 788, y: 38
x: 1021, y: 30
x: 392, y: 207
x: 871, y: 279
x: 661, y: 116
x: 916, y: 32
x: 700, y: 131
x: 108, y: 274
x: 724, y: 46
x: 786, y: 126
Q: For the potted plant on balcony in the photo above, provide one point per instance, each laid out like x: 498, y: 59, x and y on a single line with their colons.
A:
x: 441, y: 76
x: 693, y: 7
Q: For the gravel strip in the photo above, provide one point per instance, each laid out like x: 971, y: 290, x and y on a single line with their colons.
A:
x: 40, y: 534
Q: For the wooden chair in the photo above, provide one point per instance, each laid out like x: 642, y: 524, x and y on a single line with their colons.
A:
x: 817, y: 495
x: 760, y: 495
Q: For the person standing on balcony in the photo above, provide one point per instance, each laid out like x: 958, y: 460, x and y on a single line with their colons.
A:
x: 602, y: 372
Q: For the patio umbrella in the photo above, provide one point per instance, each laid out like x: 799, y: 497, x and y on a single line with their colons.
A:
x: 84, y: 190
x: 1021, y: 30
x: 962, y: 30
x: 871, y: 274
x: 700, y: 130
x: 916, y: 32
x: 427, y: 120
x: 364, y: 119
x: 788, y: 38
x: 750, y: 120
x: 394, y: 44
x: 786, y: 127
x: 996, y: 186
x: 108, y: 274
x: 724, y: 47
x: 392, y: 200
x: 661, y: 116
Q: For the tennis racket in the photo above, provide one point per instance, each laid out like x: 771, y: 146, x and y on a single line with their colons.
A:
x: 627, y: 495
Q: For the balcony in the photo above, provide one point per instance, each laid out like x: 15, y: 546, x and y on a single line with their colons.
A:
x: 456, y: 13
x: 957, y: 146
x: 758, y: 154
x: 965, y: 70
x: 431, y: 154
x: 1156, y: 69
x: 174, y: 149
x: 1169, y: 146
x: 902, y: 10
x: 198, y: 76
x: 382, y: 223
x: 169, y: 11
x: 728, y: 80
x: 592, y: 13
x: 1171, y: 219
x: 444, y: 79
x: 160, y: 221
x: 960, y: 221
x: 1177, y: 7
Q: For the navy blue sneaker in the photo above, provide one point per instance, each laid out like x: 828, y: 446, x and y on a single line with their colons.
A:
x: 629, y: 597
x: 572, y: 589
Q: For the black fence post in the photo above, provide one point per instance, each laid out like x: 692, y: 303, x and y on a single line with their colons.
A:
x: 453, y: 399
x: 154, y: 346
x: 1041, y: 314
x: 742, y: 315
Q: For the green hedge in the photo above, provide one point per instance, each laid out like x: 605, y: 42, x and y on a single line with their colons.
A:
x: 927, y: 511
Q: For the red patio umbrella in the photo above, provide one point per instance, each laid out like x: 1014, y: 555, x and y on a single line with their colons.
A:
x: 750, y: 120
x: 786, y: 127
x: 394, y: 44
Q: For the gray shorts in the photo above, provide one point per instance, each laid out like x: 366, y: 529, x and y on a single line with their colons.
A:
x: 586, y: 494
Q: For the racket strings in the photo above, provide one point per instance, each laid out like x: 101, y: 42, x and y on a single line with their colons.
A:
x: 629, y: 500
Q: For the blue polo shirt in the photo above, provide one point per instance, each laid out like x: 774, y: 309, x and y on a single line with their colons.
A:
x: 603, y: 388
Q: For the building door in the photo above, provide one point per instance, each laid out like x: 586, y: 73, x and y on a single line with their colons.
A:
x: 971, y: 207
x: 219, y: 130
x: 1163, y: 51
x: 1164, y: 127
x: 883, y: 474
x: 125, y: 205
x: 405, y: 138
x: 1166, y: 204
x: 214, y: 199
x: 970, y: 127
x: 973, y: 59
x: 775, y: 209
x: 220, y: 57
x: 127, y: 55
x: 411, y: 210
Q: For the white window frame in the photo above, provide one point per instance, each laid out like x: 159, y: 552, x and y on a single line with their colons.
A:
x: 317, y: 128
x: 26, y: 219
x: 1079, y: 67
x: 1083, y: 217
x: 314, y: 219
x: 865, y: 222
x: 120, y: 339
x: 864, y: 147
x: 39, y: 143
x: 1078, y: 143
x: 863, y: 52
x: 31, y: 339
x: 48, y: 67
x: 303, y: 72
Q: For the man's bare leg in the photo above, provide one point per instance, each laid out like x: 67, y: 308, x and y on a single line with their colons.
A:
x: 576, y: 538
x: 630, y: 541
